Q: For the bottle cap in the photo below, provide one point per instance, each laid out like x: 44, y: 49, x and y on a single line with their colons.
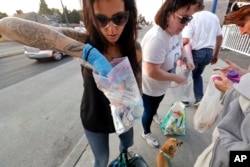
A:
x: 233, y: 76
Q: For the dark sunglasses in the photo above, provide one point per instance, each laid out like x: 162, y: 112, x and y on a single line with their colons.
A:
x: 118, y: 19
x: 184, y: 19
x: 237, y: 5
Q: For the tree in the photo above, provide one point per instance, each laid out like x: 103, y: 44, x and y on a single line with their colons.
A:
x: 74, y: 16
x: 66, y: 16
x: 2, y: 15
x: 43, y: 8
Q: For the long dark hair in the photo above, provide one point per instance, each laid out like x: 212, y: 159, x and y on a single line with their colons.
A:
x: 169, y: 7
x: 127, y: 40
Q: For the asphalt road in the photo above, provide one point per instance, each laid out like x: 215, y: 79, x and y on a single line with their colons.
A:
x: 39, y: 109
x: 39, y: 118
x: 16, y: 68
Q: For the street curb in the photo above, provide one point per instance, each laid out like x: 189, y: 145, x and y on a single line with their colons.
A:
x: 75, y: 155
x: 11, y: 53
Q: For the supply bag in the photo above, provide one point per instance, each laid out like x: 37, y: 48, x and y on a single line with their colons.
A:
x: 121, y: 88
x: 183, y: 92
x: 174, y: 123
x: 209, y: 108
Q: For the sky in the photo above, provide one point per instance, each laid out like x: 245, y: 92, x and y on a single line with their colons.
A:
x: 10, y: 6
x: 147, y: 7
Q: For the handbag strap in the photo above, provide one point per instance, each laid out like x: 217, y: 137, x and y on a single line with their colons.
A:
x: 123, y: 159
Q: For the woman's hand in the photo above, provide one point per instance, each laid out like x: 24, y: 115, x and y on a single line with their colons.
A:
x: 96, y: 59
x: 232, y: 66
x: 223, y: 84
x: 179, y: 79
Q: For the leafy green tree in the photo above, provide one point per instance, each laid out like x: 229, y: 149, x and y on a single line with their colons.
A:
x: 55, y: 11
x: 74, y: 16
x: 2, y: 15
x: 43, y: 8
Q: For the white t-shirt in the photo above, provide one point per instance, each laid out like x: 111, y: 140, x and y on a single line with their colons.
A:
x: 158, y: 47
x: 202, y: 30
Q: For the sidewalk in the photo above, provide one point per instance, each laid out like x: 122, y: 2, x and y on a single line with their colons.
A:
x: 194, y: 142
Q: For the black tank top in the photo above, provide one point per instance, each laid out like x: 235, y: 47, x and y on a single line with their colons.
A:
x: 95, y: 110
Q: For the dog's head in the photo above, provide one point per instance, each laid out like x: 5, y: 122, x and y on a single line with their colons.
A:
x: 170, y: 146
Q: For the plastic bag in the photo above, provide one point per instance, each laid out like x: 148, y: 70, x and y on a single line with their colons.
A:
x: 174, y: 123
x: 121, y: 88
x: 183, y: 92
x: 124, y: 161
x: 209, y: 108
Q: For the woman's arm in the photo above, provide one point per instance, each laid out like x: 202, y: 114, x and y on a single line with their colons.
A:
x: 233, y: 66
x: 39, y: 35
x: 72, y: 33
x: 156, y: 72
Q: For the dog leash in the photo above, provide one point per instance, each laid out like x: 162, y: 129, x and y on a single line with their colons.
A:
x: 168, y: 158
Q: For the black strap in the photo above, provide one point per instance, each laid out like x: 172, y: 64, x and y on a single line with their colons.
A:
x: 88, y: 53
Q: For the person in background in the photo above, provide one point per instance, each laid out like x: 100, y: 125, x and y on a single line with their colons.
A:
x: 205, y: 36
x: 232, y: 131
x: 161, y: 48
x: 111, y: 33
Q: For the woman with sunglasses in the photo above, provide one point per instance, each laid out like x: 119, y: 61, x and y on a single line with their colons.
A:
x: 232, y: 132
x: 162, y: 47
x: 111, y: 33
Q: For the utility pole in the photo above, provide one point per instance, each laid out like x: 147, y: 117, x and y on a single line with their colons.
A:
x: 65, y: 14
x: 214, y: 7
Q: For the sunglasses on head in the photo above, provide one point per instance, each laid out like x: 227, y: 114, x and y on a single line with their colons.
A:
x: 184, y: 19
x: 118, y: 19
x: 237, y: 5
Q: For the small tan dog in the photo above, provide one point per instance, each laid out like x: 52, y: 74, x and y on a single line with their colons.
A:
x: 167, y: 152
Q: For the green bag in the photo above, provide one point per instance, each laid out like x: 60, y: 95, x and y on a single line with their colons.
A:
x: 174, y: 123
x: 123, y: 161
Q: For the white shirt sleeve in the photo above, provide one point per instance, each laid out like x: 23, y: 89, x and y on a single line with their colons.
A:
x: 154, y: 51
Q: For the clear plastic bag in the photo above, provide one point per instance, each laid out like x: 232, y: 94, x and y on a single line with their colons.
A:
x: 209, y: 108
x: 121, y: 88
x: 183, y: 92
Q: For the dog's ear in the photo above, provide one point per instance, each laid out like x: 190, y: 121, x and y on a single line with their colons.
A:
x: 171, y: 148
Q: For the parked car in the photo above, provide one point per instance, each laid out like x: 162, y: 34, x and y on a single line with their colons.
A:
x: 39, y: 54
x: 80, y: 29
